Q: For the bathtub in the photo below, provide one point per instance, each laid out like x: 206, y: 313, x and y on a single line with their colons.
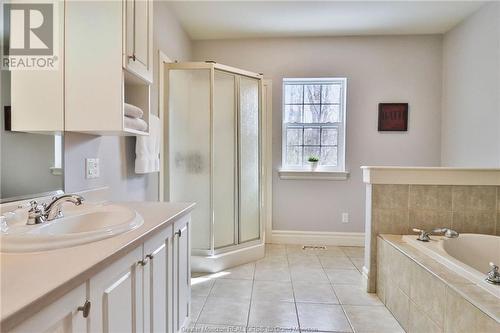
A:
x: 469, y: 255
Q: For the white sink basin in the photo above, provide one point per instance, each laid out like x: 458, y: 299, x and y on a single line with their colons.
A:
x: 84, y: 224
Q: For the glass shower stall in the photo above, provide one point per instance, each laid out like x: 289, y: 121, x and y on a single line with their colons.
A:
x: 214, y: 153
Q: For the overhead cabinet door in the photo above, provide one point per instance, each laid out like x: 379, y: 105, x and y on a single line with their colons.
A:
x: 138, y: 57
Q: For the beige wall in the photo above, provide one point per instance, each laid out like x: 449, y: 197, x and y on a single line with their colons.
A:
x: 471, y: 91
x: 379, y: 69
x: 117, y: 154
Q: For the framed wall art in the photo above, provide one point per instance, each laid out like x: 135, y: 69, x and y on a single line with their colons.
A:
x: 392, y: 117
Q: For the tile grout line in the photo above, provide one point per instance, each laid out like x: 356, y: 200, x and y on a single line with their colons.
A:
x: 335, y: 293
x: 204, y: 303
x: 251, y: 296
x: 293, y: 293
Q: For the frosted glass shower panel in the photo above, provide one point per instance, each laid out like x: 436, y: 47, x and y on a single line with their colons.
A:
x: 224, y: 132
x: 189, y: 147
x: 249, y: 222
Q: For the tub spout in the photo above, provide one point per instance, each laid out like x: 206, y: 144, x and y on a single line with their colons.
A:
x: 448, y: 233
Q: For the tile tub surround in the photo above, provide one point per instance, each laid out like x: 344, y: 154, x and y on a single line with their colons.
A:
x: 290, y: 289
x: 399, y: 199
x: 424, y: 295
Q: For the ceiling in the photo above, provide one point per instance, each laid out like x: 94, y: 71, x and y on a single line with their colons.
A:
x: 250, y: 19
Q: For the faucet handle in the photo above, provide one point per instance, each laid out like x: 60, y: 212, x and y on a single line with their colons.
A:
x: 36, y: 213
x: 35, y: 206
x: 493, y: 276
x: 423, y: 236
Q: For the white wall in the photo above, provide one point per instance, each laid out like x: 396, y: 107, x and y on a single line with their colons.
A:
x: 379, y: 69
x: 117, y: 154
x: 471, y: 91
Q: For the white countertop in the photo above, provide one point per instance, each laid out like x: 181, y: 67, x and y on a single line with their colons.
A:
x: 31, y: 281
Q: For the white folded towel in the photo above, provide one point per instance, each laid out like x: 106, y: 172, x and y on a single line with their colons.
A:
x: 147, y: 148
x: 135, y: 123
x: 132, y: 111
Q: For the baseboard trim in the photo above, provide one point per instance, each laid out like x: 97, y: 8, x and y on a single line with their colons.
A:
x: 317, y: 238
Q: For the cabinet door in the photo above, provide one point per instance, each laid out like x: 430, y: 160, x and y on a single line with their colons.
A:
x: 138, y: 55
x: 158, y: 282
x: 182, y: 272
x: 62, y: 316
x: 37, y: 96
x: 116, y: 296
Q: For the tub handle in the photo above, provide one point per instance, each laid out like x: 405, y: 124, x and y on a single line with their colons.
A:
x: 493, y: 276
x: 423, y: 236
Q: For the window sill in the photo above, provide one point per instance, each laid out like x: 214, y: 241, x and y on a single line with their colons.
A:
x: 313, y: 175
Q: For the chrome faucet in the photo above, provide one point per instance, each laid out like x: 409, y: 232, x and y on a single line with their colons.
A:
x: 52, y: 210
x: 493, y: 276
x: 424, y: 236
x: 448, y: 233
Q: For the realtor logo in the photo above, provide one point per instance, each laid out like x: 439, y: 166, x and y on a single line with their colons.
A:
x: 29, y: 36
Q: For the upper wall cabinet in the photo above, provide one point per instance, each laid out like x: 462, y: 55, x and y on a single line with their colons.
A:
x: 108, y: 64
x: 138, y: 37
x: 37, y: 94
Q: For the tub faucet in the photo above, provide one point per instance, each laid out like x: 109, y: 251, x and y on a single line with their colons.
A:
x: 448, y: 233
x: 493, y: 276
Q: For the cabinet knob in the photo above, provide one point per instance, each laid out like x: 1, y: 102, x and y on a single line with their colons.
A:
x: 132, y: 57
x: 85, y: 308
x: 149, y: 256
x: 179, y: 233
x: 143, y: 262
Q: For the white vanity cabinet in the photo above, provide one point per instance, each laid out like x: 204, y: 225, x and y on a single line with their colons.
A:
x: 158, y: 300
x: 138, y: 38
x: 145, y: 290
x: 116, y: 296
x: 182, y: 273
x: 64, y: 315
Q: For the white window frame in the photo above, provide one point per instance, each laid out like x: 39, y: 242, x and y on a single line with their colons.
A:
x: 323, y: 172
x: 57, y: 168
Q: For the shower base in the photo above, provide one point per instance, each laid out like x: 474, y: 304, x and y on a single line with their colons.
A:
x: 219, y: 262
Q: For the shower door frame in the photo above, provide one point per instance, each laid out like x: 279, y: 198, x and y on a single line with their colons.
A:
x: 213, y: 67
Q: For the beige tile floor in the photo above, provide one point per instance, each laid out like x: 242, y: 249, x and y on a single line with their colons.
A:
x: 291, y: 289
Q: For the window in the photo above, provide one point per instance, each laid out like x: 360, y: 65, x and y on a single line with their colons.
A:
x: 314, y: 123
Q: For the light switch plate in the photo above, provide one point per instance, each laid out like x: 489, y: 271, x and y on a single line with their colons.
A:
x: 92, y: 168
x: 345, y: 217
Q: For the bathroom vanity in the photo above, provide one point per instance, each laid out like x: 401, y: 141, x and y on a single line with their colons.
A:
x: 136, y: 281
